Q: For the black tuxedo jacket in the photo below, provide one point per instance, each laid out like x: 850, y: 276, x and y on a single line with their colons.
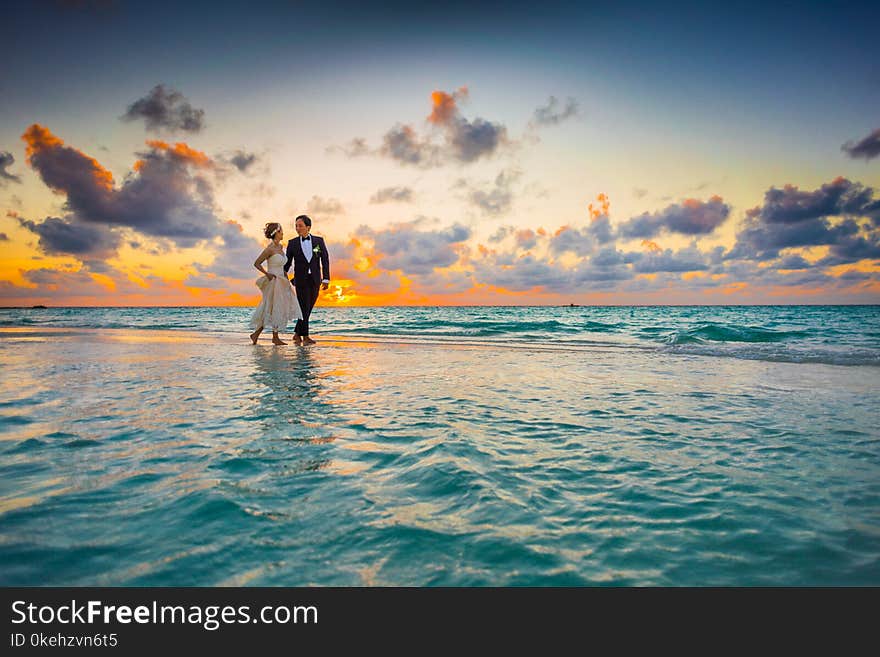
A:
x: 319, y: 266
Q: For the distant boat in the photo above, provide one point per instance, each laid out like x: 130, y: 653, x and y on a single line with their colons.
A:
x: 38, y: 307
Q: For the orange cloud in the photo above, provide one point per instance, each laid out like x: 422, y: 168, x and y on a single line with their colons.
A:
x: 602, y: 209
x: 40, y: 140
x: 180, y: 151
x: 651, y: 246
x: 444, y: 105
x: 733, y: 288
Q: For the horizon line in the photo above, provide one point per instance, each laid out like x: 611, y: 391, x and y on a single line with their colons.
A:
x: 566, y: 305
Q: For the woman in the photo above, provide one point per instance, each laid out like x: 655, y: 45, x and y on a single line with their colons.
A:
x: 279, y: 305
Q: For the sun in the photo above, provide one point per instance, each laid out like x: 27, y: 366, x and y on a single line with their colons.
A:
x: 341, y: 294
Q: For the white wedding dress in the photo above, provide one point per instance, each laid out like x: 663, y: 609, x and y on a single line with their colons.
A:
x: 279, y: 305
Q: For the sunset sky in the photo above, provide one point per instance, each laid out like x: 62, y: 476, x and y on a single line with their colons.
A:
x: 449, y: 153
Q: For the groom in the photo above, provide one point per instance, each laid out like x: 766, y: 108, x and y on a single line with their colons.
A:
x: 308, y: 255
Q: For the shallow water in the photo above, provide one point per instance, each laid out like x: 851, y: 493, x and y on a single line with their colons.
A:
x: 162, y: 458
x: 837, y: 335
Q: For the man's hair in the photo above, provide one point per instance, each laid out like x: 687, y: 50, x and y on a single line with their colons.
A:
x: 306, y: 220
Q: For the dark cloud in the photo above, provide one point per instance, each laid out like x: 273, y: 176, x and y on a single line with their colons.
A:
x: 793, y: 218
x: 840, y: 197
x: 392, y: 194
x: 793, y: 261
x: 526, y: 238
x: 69, y: 286
x: 7, y: 159
x: 852, y: 248
x: 603, y: 271
x: 319, y: 205
x: 466, y: 141
x: 235, y: 253
x: 583, y: 241
x: 242, y: 161
x: 443, y: 282
x: 71, y: 237
x: 600, y: 229
x: 868, y: 148
x: 416, y: 252
x: 759, y: 241
x: 166, y: 108
x: 553, y: 114
x: 495, y: 199
x: 520, y: 274
x: 165, y: 197
x: 66, y: 286
x: 207, y: 282
x: 690, y: 259
x: 61, y: 277
x: 854, y: 276
x: 609, y: 257
x: 691, y: 217
x: 4, y: 237
x: 461, y: 140
x: 404, y: 145
x: 470, y: 141
x: 573, y: 240
x: 501, y: 234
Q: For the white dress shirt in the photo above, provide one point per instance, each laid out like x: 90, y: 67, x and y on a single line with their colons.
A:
x: 307, y: 247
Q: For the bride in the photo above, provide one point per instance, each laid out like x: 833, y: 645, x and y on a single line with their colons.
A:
x: 279, y: 305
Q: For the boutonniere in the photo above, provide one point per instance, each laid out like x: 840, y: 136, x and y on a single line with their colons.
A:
x: 317, y: 250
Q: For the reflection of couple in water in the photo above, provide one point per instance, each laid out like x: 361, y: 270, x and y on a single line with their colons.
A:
x: 284, y: 301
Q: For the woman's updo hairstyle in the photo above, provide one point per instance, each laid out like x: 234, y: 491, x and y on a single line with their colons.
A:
x: 270, y: 229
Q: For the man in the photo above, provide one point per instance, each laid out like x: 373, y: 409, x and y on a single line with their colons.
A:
x: 308, y: 255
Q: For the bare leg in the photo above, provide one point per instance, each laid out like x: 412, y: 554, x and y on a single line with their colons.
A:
x: 256, y: 334
x: 276, y: 339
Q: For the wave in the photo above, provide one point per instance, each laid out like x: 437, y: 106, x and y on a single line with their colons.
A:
x: 709, y: 332
x: 781, y: 354
x: 445, y: 327
x: 832, y: 335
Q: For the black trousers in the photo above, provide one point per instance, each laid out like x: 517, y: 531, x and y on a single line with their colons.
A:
x: 307, y: 295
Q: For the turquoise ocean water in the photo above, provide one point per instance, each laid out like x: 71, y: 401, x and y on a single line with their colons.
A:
x: 442, y: 446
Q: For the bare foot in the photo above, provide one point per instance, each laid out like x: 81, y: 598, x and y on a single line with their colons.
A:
x: 254, y: 337
x: 308, y: 340
x: 277, y: 341
x: 297, y: 339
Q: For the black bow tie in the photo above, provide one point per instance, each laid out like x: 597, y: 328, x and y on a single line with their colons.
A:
x: 306, y: 239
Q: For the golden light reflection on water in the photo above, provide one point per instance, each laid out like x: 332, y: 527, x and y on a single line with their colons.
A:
x: 147, y: 567
x: 11, y: 503
x: 369, y: 574
x: 43, y: 333
x: 243, y: 579
x: 364, y: 446
x: 340, y: 467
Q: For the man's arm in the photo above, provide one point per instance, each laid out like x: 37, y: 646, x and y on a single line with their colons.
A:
x: 289, y: 257
x: 325, y: 263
